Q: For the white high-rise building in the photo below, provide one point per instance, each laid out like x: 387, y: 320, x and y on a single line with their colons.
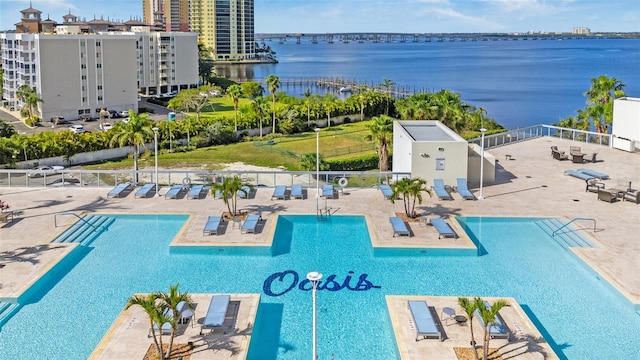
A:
x: 79, y: 74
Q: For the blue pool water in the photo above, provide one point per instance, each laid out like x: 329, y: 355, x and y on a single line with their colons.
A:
x: 580, y: 315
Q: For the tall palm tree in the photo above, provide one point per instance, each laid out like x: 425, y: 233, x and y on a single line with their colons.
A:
x: 381, y: 128
x: 273, y: 83
x: 235, y: 91
x: 31, y: 103
x: 170, y: 301
x: 469, y: 308
x: 600, y: 100
x: 156, y: 314
x: 259, y: 107
x: 329, y: 103
x: 488, y: 315
x: 228, y: 189
x: 135, y: 133
x: 307, y: 102
x: 387, y: 85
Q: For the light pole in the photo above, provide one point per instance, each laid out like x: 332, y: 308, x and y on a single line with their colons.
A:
x: 317, y: 130
x: 155, y: 146
x: 314, y: 277
x: 483, y: 130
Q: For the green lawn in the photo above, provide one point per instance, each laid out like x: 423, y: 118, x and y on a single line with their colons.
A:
x: 284, y: 151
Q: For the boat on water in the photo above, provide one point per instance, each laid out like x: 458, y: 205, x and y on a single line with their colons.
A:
x: 345, y: 89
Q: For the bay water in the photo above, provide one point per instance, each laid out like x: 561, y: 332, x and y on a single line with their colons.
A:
x: 520, y: 83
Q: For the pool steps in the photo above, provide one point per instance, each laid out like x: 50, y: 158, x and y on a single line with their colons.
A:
x: 84, y: 232
x: 7, y: 309
x: 567, y: 237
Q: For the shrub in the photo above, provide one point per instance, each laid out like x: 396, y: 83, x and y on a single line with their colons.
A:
x: 357, y: 163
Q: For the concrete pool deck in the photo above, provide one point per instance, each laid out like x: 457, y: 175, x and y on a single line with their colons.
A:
x: 531, y: 184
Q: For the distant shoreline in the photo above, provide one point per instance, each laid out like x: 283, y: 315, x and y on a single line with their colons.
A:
x: 248, y: 61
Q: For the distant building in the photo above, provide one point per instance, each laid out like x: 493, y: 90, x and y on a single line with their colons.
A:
x: 225, y: 26
x: 78, y: 67
x: 169, y: 15
x: 581, y: 31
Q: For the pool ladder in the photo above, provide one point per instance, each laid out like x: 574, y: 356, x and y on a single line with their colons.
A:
x: 572, y: 220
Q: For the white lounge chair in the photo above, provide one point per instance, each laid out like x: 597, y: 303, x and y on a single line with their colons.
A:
x: 250, y: 224
x: 387, y: 192
x: 399, y: 227
x: 441, y: 191
x: 443, y: 228
x: 212, y: 225
x: 463, y: 190
x: 195, y: 191
x: 423, y: 320
x: 217, y: 312
x: 296, y: 191
x: 119, y: 190
x: 145, y: 190
x: 497, y: 330
x: 280, y: 192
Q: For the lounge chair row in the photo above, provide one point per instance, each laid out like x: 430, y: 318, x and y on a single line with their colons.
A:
x: 193, y: 192
x: 462, y: 188
x: 400, y: 227
x: 124, y: 189
x: 212, y: 226
x: 586, y: 174
x: 280, y: 192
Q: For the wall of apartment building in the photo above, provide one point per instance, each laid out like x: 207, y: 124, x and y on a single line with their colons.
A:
x: 81, y: 74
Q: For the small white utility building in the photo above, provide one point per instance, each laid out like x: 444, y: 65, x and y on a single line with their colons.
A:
x: 429, y: 150
x: 626, y: 124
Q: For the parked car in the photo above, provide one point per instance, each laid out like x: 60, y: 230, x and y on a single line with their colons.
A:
x: 86, y: 118
x: 58, y: 120
x: 78, y: 129
x: 124, y: 113
x: 126, y: 120
x: 45, y: 171
x: 114, y: 114
x: 65, y: 182
x: 105, y: 126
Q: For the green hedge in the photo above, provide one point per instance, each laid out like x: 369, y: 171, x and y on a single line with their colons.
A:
x: 357, y: 163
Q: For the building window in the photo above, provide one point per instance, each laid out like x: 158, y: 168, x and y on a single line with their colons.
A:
x: 99, y: 98
x: 99, y: 87
x: 84, y: 77
x: 98, y: 43
x: 99, y: 66
x: 83, y: 66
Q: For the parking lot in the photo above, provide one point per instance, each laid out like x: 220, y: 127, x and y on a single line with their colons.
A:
x: 13, y: 117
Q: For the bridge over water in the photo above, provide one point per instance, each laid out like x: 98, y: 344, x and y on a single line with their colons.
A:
x: 429, y: 37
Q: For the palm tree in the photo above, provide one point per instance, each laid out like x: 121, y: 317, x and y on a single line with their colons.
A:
x: 259, y: 106
x: 469, y: 308
x: 156, y: 314
x: 308, y: 163
x: 600, y: 100
x: 381, y: 131
x: 387, y: 85
x: 488, y: 316
x: 273, y: 82
x: 170, y: 301
x: 410, y: 189
x: 307, y: 102
x: 228, y: 189
x: 235, y: 91
x: 329, y: 104
x: 136, y: 133
x: 32, y: 104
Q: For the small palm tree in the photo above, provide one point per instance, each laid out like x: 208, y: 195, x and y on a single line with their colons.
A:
x: 410, y: 189
x: 273, y: 83
x: 488, y: 316
x: 156, y: 314
x: 170, y: 301
x: 228, y: 189
x: 308, y: 163
x: 387, y: 85
x: 469, y: 308
x: 307, y: 102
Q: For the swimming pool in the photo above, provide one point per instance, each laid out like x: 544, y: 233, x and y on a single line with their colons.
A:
x: 584, y: 318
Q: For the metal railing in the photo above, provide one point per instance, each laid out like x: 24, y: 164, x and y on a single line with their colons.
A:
x: 532, y: 132
x: 572, y: 220
x: 55, y: 219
